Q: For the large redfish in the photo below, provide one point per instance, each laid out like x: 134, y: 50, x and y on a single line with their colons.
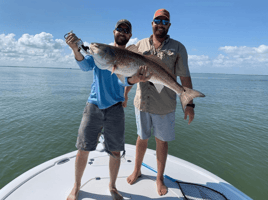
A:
x: 126, y: 62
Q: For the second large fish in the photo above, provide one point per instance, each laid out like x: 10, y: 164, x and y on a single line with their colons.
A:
x: 126, y: 62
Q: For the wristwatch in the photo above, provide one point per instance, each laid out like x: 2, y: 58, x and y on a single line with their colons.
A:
x: 191, y: 105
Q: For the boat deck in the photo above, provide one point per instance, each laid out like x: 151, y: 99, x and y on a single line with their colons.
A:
x: 54, y: 179
x: 144, y: 188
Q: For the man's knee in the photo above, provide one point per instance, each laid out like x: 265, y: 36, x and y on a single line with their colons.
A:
x: 116, y: 154
x: 81, y: 153
x: 161, y: 142
x: 139, y: 139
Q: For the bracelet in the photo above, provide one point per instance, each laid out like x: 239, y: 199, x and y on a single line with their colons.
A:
x: 191, y: 105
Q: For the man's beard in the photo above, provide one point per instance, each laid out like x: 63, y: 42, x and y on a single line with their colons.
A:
x: 160, y: 34
x: 121, y: 40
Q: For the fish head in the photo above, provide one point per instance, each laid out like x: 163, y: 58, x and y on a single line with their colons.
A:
x: 104, y: 55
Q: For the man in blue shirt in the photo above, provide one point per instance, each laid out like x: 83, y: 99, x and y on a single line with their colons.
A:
x: 103, y: 110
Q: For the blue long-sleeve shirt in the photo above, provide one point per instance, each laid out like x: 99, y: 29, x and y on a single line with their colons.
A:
x: 106, y: 89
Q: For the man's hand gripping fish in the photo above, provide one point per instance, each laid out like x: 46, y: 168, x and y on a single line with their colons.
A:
x: 126, y: 62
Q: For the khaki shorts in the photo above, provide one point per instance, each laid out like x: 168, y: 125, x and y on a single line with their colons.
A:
x: 163, y: 125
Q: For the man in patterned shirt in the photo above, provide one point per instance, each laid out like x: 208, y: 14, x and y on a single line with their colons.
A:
x: 155, y: 109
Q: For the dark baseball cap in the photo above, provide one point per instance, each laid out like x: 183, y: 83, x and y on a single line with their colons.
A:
x: 126, y: 22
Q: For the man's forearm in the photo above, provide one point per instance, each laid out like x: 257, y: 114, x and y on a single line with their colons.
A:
x: 78, y: 56
x: 132, y: 80
x: 187, y: 82
x: 127, y: 89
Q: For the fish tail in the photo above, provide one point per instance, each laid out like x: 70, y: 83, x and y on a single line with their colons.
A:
x: 187, y: 95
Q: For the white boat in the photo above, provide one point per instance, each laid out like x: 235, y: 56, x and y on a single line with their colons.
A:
x: 54, y: 179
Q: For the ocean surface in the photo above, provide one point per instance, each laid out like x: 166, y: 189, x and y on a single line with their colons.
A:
x: 41, y: 109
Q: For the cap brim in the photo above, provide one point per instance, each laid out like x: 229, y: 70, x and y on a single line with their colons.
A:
x: 124, y: 24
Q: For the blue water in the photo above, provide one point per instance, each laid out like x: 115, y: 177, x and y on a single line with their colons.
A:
x: 41, y: 109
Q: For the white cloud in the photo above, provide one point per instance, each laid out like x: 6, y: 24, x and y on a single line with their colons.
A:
x: 132, y: 41
x: 41, y: 41
x: 34, y: 50
x: 199, y: 61
x: 262, y: 49
x: 86, y: 44
x: 246, y: 58
x: 39, y: 50
x: 245, y: 50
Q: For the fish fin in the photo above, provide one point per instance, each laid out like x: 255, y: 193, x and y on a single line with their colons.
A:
x: 161, y: 63
x: 133, y: 48
x: 114, y: 68
x: 121, y: 78
x: 187, y: 95
x: 158, y: 87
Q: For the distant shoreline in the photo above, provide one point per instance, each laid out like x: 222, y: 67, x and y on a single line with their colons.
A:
x: 43, y: 67
x: 79, y: 69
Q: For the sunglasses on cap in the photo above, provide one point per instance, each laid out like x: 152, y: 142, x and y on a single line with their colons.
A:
x: 163, y: 21
x: 122, y: 29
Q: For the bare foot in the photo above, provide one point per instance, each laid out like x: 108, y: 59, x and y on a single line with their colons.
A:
x: 74, y: 193
x: 133, y: 177
x: 115, y: 194
x: 161, y: 188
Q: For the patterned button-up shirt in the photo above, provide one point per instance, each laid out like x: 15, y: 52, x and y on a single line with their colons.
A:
x: 174, y: 55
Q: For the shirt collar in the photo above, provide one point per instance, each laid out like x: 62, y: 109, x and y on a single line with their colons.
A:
x: 165, y: 41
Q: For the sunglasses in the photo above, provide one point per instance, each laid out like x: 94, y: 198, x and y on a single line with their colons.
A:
x: 163, y: 21
x: 123, y: 29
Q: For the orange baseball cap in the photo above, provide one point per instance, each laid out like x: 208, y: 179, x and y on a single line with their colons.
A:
x: 161, y: 12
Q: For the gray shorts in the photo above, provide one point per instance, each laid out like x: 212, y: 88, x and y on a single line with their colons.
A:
x: 163, y: 125
x: 111, y: 119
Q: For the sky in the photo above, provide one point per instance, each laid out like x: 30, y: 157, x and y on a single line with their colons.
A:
x: 221, y: 36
